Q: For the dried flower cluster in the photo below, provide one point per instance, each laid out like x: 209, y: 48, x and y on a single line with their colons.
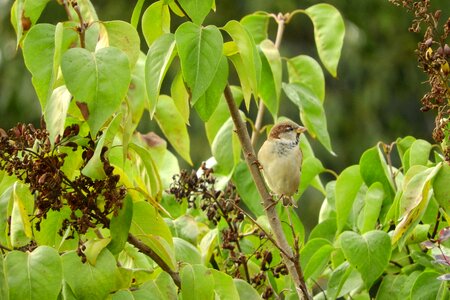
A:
x: 199, y: 191
x: 433, y: 54
x: 26, y: 153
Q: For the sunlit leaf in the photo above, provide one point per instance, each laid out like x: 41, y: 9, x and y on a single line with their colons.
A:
x: 155, y: 21
x: 247, y: 52
x: 22, y: 200
x: 373, y: 201
x: 257, y: 25
x: 120, y: 226
x: 121, y: 35
x: 95, y: 167
x: 171, y: 123
x: 159, y: 57
x: 413, y: 203
x: 271, y: 73
x: 314, y: 257
x: 180, y: 97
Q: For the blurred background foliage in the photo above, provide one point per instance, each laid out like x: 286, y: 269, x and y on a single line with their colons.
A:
x: 375, y: 97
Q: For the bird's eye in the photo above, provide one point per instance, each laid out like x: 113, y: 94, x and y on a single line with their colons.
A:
x: 289, y: 128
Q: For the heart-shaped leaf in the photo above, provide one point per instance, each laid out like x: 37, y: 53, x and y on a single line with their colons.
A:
x: 35, y: 275
x: 155, y: 21
x: 200, y: 50
x: 368, y: 253
x: 98, y: 79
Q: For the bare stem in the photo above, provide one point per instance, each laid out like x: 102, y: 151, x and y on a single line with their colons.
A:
x: 281, y: 21
x: 83, y: 26
x: 294, y: 269
x: 156, y: 258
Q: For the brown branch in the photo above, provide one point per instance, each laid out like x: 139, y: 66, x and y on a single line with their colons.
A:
x: 294, y: 270
x: 81, y: 29
x: 156, y: 258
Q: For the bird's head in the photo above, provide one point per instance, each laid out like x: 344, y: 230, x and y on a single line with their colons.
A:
x: 286, y: 131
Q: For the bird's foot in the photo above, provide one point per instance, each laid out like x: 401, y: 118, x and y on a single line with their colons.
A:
x: 288, y: 201
x: 272, y: 204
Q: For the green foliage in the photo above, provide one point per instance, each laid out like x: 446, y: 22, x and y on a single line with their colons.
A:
x: 91, y: 194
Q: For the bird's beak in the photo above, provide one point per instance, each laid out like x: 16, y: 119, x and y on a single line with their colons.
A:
x: 301, y: 129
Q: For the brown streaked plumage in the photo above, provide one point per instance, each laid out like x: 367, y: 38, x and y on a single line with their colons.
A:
x: 281, y: 159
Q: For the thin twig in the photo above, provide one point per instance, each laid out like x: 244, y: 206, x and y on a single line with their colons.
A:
x: 83, y: 26
x: 156, y: 258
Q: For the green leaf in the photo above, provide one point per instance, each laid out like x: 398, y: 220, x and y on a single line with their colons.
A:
x: 208, y: 245
x: 348, y: 185
x: 441, y: 186
x: 271, y: 73
x: 311, y: 112
x: 257, y: 25
x: 4, y: 289
x: 311, y: 168
x: 374, y: 168
x: 185, y: 252
x: 93, y: 247
x: 155, y: 21
x: 35, y: 275
x: 136, y: 13
x: 120, y: 226
x: 121, y: 35
x: 22, y: 200
x: 197, y: 10
x: 329, y: 31
x: 197, y: 282
x: 50, y: 227
x: 98, y: 79
x: 56, y: 111
x: 88, y: 281
x: 150, y: 182
x: 94, y: 167
x: 343, y: 280
x: 307, y: 71
x: 368, y: 253
x: 367, y: 220
x: 148, y: 226
x: 248, y: 53
x: 186, y: 228
x: 224, y: 286
x: 226, y: 149
x: 180, y: 97
x: 207, y: 104
x: 419, y: 153
x: 200, y: 50
x: 314, y: 257
x: 42, y: 50
x: 26, y: 11
x: 245, y: 290
x: 326, y: 230
x: 426, y: 286
x: 391, y: 286
x: 244, y: 77
x: 413, y: 202
x: 160, y: 55
x: 247, y: 189
x: 172, y: 125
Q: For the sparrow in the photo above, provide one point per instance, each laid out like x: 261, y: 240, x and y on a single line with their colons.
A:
x: 281, y: 159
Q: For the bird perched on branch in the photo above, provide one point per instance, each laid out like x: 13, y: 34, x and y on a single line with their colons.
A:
x: 281, y: 159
